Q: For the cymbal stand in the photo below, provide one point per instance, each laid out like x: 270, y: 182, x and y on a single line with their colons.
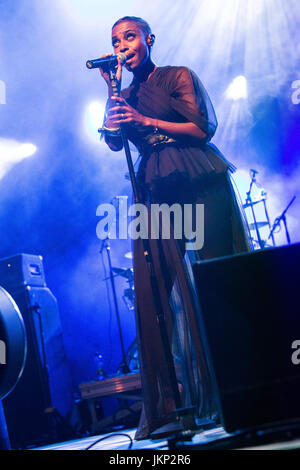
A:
x: 282, y: 218
x: 251, y: 204
x: 268, y: 218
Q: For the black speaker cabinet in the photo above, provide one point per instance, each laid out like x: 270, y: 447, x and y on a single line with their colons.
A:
x: 250, y: 319
x: 45, y: 385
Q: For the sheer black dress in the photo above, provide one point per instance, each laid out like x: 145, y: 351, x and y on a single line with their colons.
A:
x: 180, y: 171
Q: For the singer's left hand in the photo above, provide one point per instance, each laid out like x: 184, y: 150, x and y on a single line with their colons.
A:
x: 123, y: 113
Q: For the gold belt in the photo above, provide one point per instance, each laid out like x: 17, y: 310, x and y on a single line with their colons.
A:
x: 158, y: 139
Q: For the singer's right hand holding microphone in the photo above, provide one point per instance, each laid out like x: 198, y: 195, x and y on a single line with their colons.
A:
x: 105, y: 74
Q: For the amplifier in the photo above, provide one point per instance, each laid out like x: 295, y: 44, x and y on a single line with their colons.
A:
x: 46, y: 381
x: 250, y: 319
x: 22, y: 270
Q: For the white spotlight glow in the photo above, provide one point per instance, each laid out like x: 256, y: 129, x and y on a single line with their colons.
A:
x: 238, y: 89
x: 12, y: 152
x: 93, y: 119
x: 2, y: 92
x: 25, y: 150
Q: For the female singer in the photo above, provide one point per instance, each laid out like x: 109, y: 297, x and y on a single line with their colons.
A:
x: 168, y: 116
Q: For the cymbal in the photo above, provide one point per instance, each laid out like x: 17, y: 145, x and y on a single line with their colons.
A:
x: 128, y: 273
x: 258, y: 224
x: 129, y: 255
x: 118, y: 270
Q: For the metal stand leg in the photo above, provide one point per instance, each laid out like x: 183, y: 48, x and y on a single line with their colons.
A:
x: 4, y: 437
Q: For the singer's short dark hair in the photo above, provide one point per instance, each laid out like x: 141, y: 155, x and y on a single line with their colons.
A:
x: 145, y: 27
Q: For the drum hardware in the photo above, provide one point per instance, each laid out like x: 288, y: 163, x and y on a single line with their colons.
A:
x: 127, y: 273
x: 121, y: 272
x: 255, y: 225
x: 128, y: 295
x: 258, y: 224
x: 282, y: 217
x: 268, y: 219
x: 129, y: 298
x: 253, y: 203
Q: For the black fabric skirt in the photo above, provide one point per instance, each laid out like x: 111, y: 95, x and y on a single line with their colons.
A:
x: 224, y: 234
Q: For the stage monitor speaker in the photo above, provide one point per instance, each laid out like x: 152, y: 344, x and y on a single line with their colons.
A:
x: 43, y: 395
x: 250, y: 320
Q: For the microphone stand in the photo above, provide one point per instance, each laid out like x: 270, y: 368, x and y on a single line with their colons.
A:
x: 124, y: 366
x: 282, y: 217
x: 4, y: 436
x: 184, y: 414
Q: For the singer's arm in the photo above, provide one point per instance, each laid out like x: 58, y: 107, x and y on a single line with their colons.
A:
x: 177, y: 129
x: 114, y: 143
x: 112, y: 135
x: 125, y: 114
x: 173, y: 129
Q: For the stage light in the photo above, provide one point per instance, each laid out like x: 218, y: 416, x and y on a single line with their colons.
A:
x: 95, y: 114
x: 2, y: 92
x: 13, y: 152
x: 93, y: 119
x: 25, y: 150
x: 238, y: 89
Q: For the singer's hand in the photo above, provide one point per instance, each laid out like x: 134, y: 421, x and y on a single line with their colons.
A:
x: 123, y: 113
x: 105, y: 75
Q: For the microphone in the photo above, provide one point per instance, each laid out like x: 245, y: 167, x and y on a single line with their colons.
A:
x: 106, y: 63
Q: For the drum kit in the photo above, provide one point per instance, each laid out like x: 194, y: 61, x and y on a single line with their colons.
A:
x: 255, y: 226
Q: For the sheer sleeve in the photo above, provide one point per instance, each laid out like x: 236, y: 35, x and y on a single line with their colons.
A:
x: 190, y: 99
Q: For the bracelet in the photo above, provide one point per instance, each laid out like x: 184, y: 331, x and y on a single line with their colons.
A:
x: 156, y: 127
x: 110, y: 131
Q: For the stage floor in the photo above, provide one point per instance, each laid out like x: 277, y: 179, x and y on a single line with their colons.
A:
x: 213, y: 439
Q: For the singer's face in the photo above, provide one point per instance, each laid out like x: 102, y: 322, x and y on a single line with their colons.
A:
x: 129, y: 39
